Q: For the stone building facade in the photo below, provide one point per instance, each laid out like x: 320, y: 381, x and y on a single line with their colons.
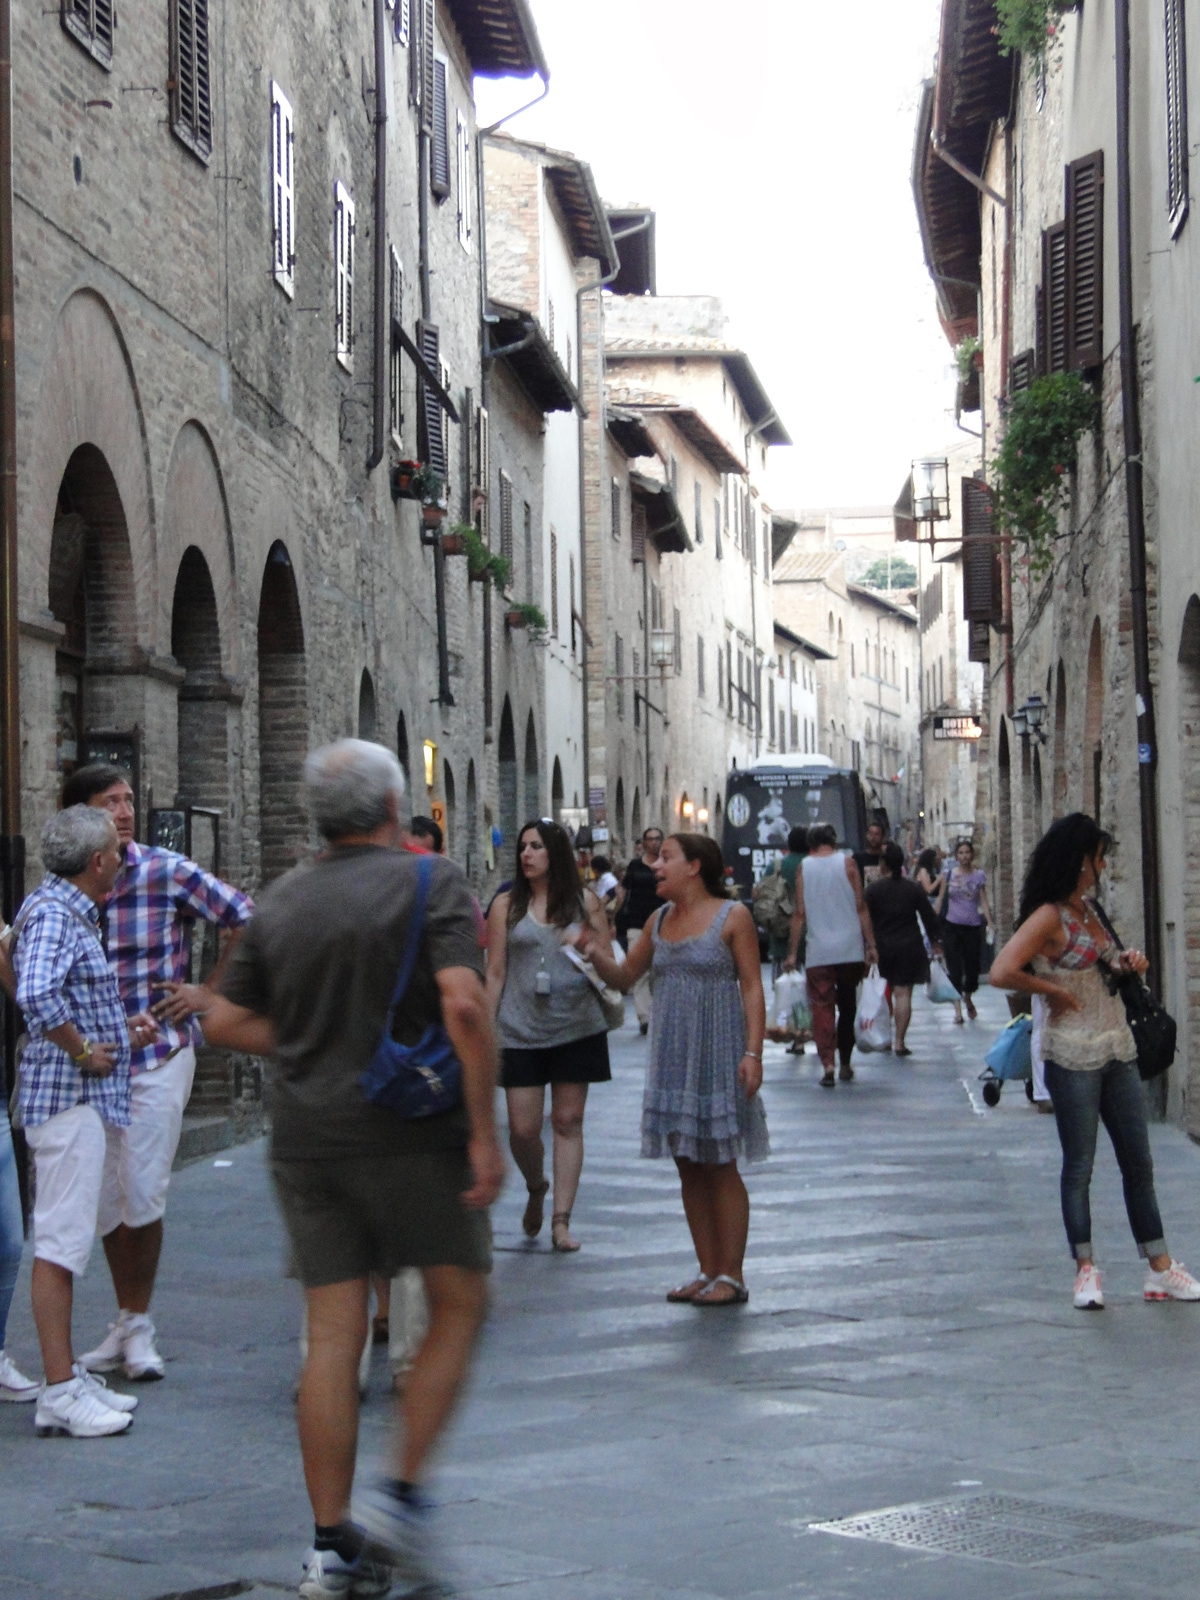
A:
x: 214, y: 574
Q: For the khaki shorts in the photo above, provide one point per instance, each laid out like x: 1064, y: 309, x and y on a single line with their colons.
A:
x: 351, y: 1216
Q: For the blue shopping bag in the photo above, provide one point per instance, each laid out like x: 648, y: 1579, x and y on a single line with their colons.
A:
x: 1011, y: 1056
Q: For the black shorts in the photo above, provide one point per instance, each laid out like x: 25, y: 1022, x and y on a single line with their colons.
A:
x: 581, y: 1061
x: 353, y: 1215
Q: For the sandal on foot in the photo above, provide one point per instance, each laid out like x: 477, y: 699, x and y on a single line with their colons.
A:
x: 738, y: 1297
x: 562, y: 1219
x: 846, y: 1074
x: 971, y: 1011
x: 828, y: 1081
x: 688, y: 1291
x: 534, y: 1209
x: 902, y: 1050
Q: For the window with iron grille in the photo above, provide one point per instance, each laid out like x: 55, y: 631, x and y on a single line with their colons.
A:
x: 615, y: 507
x: 700, y: 664
x: 90, y: 23
x: 439, y: 155
x: 506, y: 517
x: 283, y: 192
x: 188, y: 84
x: 1177, y: 120
x: 554, y: 583
x: 395, y: 351
x: 343, y: 272
x: 462, y: 147
x: 619, y: 673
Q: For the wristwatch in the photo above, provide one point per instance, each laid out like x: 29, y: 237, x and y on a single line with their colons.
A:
x: 84, y: 1053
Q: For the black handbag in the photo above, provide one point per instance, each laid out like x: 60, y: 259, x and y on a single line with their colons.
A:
x: 1153, y: 1027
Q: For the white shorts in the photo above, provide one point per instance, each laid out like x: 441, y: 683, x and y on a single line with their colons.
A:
x: 68, y: 1155
x: 137, y: 1169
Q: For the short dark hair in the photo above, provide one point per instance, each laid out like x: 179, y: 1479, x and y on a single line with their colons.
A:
x: 427, y: 828
x: 798, y: 841
x: 893, y: 858
x: 85, y: 783
x: 652, y: 829
x: 601, y: 864
x: 820, y: 834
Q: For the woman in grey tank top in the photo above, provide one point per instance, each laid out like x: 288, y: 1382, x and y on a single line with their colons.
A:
x: 551, y: 1024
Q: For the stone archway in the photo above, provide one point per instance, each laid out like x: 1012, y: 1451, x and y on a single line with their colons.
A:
x: 203, y: 762
x: 532, y: 784
x: 450, y: 789
x: 367, y: 716
x: 635, y: 820
x: 509, y: 801
x: 402, y: 753
x: 556, y: 791
x: 282, y: 718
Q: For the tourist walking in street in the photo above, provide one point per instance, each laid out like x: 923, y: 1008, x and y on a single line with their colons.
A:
x: 148, y: 918
x: 966, y: 912
x: 74, y: 1086
x: 362, y: 1188
x: 551, y: 1024
x: 775, y: 900
x: 636, y: 902
x: 896, y: 903
x: 832, y: 914
x: 701, y: 1103
x: 870, y: 861
x: 932, y: 879
x: 1063, y: 950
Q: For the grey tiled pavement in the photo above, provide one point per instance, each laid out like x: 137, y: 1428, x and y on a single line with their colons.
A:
x: 910, y: 1337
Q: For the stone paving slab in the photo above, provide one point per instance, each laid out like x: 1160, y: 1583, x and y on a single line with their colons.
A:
x: 909, y: 1338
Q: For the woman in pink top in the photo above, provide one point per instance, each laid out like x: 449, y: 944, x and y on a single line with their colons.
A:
x: 967, y: 910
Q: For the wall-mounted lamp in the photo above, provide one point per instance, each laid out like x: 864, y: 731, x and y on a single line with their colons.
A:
x: 1028, y: 719
x: 702, y: 814
x: 430, y: 752
x: 931, y: 490
x: 688, y: 809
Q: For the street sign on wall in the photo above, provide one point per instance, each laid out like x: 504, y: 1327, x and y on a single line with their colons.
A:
x: 958, y: 727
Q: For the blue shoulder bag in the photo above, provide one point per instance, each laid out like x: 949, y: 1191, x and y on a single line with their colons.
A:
x: 425, y: 1078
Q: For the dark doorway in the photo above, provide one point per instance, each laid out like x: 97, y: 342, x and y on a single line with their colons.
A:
x: 282, y: 718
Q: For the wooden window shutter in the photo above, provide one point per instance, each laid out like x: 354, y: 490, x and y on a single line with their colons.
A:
x: 1085, y: 262
x: 1039, y: 333
x: 980, y: 555
x: 979, y: 642
x: 433, y: 431
x: 403, y: 21
x: 90, y: 23
x: 428, y: 44
x: 1021, y: 370
x: 481, y: 496
x: 283, y: 192
x: 1054, y: 294
x: 554, y: 582
x: 395, y: 349
x: 439, y: 156
x: 506, y: 517
x: 462, y: 136
x: 615, y: 507
x: 699, y: 663
x: 1177, y: 118
x: 619, y: 672
x: 637, y: 531
x: 190, y: 87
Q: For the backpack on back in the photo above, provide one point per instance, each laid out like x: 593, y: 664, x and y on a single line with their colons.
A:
x: 774, y: 905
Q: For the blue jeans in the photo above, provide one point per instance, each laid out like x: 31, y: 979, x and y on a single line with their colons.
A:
x: 12, y: 1228
x: 1082, y: 1100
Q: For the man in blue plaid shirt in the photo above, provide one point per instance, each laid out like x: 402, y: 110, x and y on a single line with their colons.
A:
x: 74, y: 1088
x: 156, y: 900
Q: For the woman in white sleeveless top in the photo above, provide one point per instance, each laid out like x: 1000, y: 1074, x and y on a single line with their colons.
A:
x: 830, y: 905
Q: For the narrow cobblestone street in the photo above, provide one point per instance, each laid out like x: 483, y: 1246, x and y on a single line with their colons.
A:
x: 909, y: 1338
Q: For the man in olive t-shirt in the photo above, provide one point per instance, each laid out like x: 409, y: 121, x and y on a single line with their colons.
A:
x: 362, y: 1190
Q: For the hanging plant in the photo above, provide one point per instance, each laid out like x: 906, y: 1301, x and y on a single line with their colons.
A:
x: 1029, y: 27
x: 428, y: 486
x: 967, y: 356
x: 527, y: 616
x: 483, y: 565
x: 1031, y: 470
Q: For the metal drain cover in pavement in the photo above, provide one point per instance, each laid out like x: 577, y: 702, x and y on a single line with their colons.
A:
x: 997, y: 1527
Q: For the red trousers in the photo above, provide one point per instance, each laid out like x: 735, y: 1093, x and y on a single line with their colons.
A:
x: 829, y: 987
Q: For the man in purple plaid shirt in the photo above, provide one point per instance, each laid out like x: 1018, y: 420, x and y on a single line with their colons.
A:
x: 157, y: 897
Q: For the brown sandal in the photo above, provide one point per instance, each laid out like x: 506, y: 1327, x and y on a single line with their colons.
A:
x: 562, y: 1219
x: 535, y: 1209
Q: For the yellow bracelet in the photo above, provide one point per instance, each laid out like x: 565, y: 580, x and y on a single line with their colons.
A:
x: 84, y: 1053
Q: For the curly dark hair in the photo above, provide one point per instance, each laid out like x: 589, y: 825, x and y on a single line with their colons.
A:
x: 927, y: 861
x: 1057, y: 861
x: 564, y: 892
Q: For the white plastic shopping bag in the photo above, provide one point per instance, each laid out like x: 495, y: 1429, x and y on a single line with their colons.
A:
x: 789, y: 1003
x: 939, y: 989
x: 873, y: 1020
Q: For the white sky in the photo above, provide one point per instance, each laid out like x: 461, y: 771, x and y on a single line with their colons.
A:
x: 777, y: 156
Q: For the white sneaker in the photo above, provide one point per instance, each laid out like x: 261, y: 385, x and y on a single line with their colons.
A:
x: 76, y: 1409
x: 325, y: 1573
x: 111, y: 1398
x: 143, y: 1364
x: 15, y: 1387
x: 1176, y: 1283
x: 399, y: 1534
x: 109, y: 1354
x: 1089, y: 1296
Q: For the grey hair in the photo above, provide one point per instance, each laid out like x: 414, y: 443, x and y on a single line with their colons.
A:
x: 349, y: 784
x: 71, y: 838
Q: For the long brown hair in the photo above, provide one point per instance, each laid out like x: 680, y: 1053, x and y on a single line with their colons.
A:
x: 564, y: 889
x: 699, y: 847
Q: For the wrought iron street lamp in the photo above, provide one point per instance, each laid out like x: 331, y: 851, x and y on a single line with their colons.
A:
x: 931, y: 489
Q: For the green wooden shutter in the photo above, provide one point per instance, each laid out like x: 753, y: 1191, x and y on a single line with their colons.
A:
x: 1085, y: 262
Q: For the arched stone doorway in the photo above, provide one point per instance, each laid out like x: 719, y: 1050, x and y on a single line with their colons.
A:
x: 451, y: 793
x: 402, y: 754
x: 99, y: 692
x: 367, y: 722
x: 635, y: 820
x: 282, y: 718
x: 204, y: 693
x: 1093, y: 726
x: 556, y: 791
x: 506, y: 751
x: 532, y: 800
